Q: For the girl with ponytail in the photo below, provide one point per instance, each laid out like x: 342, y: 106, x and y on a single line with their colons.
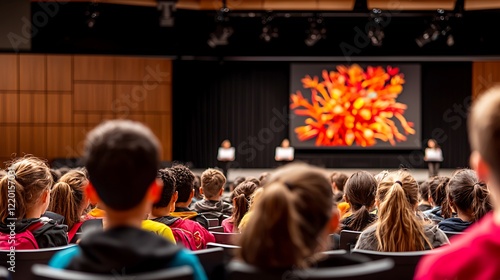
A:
x: 398, y: 228
x: 68, y: 198
x: 241, y: 202
x: 359, y: 192
x: 25, y: 195
x: 291, y: 220
x: 469, y: 198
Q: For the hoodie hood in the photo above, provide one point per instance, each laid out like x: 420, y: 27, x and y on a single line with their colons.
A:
x: 123, y: 250
x: 454, y: 225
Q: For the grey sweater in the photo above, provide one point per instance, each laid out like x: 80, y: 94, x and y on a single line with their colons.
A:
x: 368, y: 241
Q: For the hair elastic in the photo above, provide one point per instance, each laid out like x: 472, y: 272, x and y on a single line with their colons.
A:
x: 399, y: 182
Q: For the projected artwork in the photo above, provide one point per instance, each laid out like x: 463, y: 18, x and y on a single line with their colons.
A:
x: 353, y: 106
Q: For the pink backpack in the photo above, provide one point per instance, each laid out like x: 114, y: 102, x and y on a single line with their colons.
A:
x: 22, y: 241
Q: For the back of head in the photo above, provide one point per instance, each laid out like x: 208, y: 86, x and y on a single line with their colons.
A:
x: 26, y: 180
x: 169, y: 187
x: 263, y: 178
x: 184, y: 182
x: 67, y: 196
x: 212, y: 181
x: 241, y: 197
x: 437, y: 191
x: 360, y: 190
x: 484, y: 128
x: 339, y: 179
x: 122, y: 159
x: 293, y: 210
x: 467, y: 193
x: 398, y: 227
x: 424, y: 191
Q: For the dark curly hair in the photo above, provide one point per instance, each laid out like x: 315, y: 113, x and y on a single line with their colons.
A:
x: 184, y: 181
x: 167, y: 176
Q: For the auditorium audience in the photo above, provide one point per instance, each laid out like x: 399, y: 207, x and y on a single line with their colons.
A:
x: 359, y: 192
x: 424, y: 204
x: 468, y: 197
x: 398, y: 228
x: 438, y: 200
x: 241, y: 201
x: 187, y: 232
x: 185, y: 188
x: 257, y: 194
x: 291, y: 221
x: 212, y: 187
x: 29, y: 179
x: 122, y: 159
x: 475, y: 254
x: 68, y: 199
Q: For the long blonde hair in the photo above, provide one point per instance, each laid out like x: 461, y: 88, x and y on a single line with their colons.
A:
x: 294, y: 209
x: 398, y: 228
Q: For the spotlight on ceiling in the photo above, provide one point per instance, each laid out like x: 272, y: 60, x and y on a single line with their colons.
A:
x: 269, y: 30
x: 316, y: 31
x: 439, y: 28
x: 376, y: 28
x: 222, y: 30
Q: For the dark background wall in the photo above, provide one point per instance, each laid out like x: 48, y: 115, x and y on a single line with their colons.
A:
x: 247, y: 102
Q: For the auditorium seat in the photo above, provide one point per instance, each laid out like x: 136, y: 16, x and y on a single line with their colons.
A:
x: 348, y: 239
x: 44, y: 272
x: 373, y: 270
x: 216, y: 229
x: 451, y: 235
x: 213, y: 222
x: 226, y: 238
x: 212, y: 261
x: 229, y: 250
x: 26, y: 258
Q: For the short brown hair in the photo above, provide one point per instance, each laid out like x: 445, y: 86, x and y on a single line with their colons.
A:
x: 339, y: 179
x: 484, y: 127
x: 212, y: 181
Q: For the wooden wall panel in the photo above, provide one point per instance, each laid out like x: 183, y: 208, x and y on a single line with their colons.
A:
x: 59, y: 73
x: 149, y: 70
x: 157, y: 99
x: 9, y: 107
x: 93, y: 97
x: 9, y: 72
x: 59, y: 108
x: 484, y: 76
x: 10, y: 141
x: 32, y: 108
x: 33, y: 140
x: 32, y: 72
x: 60, y: 141
x: 411, y: 4
x: 93, y: 68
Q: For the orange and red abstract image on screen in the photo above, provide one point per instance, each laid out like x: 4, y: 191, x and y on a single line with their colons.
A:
x: 352, y: 107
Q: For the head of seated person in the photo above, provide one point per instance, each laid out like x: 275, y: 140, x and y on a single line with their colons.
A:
x: 291, y: 221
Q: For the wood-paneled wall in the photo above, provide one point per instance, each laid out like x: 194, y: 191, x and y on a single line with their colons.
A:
x: 48, y: 103
x: 484, y: 75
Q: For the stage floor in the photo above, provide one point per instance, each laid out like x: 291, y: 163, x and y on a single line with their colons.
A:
x: 419, y: 174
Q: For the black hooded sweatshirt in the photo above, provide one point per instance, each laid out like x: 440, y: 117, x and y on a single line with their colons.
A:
x: 46, y: 231
x: 453, y: 225
x: 123, y: 251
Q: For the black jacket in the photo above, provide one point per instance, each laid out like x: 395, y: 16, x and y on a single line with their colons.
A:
x: 453, y: 225
x: 47, y: 235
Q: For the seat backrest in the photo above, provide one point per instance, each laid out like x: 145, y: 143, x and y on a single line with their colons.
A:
x: 216, y: 229
x: 4, y: 273
x: 44, y: 272
x: 348, y: 239
x: 229, y: 250
x: 24, y: 259
x: 226, y: 238
x: 405, y: 263
x: 237, y: 270
x: 92, y: 224
x: 213, y: 222
x: 211, y: 259
x: 451, y: 235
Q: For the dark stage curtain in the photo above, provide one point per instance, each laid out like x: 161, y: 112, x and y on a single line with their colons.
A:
x: 247, y: 103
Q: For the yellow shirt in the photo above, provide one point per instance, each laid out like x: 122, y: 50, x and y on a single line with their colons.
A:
x: 158, y: 228
x: 244, y: 221
x: 344, y: 210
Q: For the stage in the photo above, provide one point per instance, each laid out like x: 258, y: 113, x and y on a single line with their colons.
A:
x: 419, y: 174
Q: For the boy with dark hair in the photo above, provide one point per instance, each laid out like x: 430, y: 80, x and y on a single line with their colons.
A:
x: 187, y: 232
x: 475, y: 254
x: 122, y: 159
x: 338, y: 180
x: 212, y: 187
x: 184, y: 185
